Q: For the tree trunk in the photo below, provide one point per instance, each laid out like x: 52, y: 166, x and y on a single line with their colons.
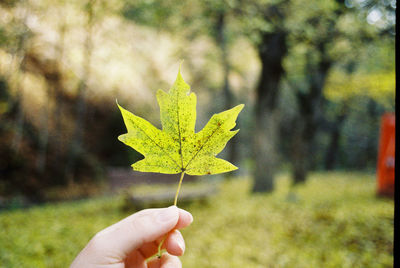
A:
x: 310, y: 107
x: 271, y: 51
x: 76, y: 148
x: 19, y: 56
x: 265, y: 151
x: 300, y: 151
x: 19, y: 122
x: 303, y: 136
x: 332, y: 151
x: 44, y: 133
x: 58, y: 92
x: 228, y: 96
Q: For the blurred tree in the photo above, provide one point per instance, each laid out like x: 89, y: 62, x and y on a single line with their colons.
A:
x: 379, y: 13
x: 16, y: 40
x: 362, y: 78
x: 58, y: 85
x: 347, y: 87
x: 16, y: 133
x: 263, y: 22
x: 217, y: 12
x: 51, y: 70
x: 336, y: 129
x: 49, y: 97
x: 355, y: 103
x: 157, y: 14
x: 328, y: 34
x: 338, y: 74
x: 316, y: 28
x: 77, y: 145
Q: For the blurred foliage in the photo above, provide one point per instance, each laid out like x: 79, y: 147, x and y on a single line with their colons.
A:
x: 135, y: 47
x: 380, y: 13
x: 380, y: 87
x: 334, y: 220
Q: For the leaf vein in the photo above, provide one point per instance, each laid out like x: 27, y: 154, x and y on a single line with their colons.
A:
x: 158, y: 146
x: 179, y: 129
x: 198, y: 151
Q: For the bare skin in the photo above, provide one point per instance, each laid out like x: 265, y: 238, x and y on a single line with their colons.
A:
x: 129, y: 242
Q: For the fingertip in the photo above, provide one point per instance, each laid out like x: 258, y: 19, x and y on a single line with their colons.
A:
x: 175, y: 244
x: 168, y: 261
x: 185, y: 219
x: 186, y: 214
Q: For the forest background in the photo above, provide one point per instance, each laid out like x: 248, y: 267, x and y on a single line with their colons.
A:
x: 316, y: 76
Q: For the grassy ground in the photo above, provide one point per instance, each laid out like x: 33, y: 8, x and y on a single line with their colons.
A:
x: 334, y: 220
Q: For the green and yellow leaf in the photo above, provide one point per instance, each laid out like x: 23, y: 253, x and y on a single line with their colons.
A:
x: 177, y: 148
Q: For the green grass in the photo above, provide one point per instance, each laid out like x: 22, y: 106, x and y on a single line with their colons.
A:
x: 334, y: 220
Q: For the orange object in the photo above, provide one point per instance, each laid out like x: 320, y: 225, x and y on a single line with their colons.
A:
x: 386, y: 156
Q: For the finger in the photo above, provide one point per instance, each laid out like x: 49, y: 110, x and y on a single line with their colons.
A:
x: 185, y: 219
x: 166, y: 261
x: 149, y: 249
x: 175, y: 244
x: 135, y: 260
x: 136, y: 230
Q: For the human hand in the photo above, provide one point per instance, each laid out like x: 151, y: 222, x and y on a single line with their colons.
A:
x: 129, y: 242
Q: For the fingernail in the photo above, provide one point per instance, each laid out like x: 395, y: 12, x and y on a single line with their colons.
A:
x: 167, y: 214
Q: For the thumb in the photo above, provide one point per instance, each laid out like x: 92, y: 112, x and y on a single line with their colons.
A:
x: 134, y: 231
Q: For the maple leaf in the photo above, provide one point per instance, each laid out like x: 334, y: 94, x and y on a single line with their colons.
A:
x: 177, y: 148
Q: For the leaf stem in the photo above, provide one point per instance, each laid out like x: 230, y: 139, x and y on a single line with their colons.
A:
x: 159, y: 254
x: 179, y: 188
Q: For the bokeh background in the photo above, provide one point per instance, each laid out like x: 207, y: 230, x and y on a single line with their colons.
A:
x: 316, y: 77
